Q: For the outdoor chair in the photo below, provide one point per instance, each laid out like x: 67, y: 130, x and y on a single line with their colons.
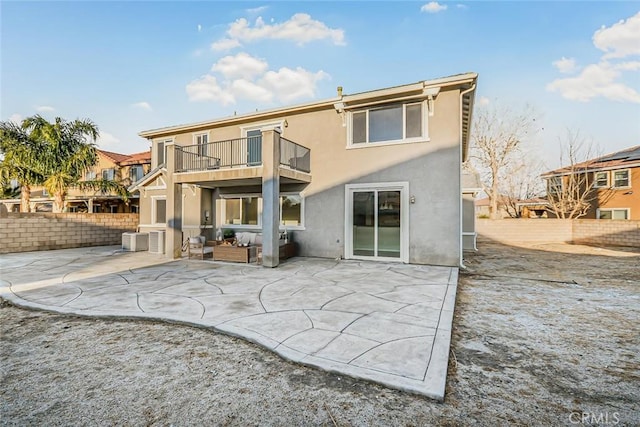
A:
x: 198, y: 248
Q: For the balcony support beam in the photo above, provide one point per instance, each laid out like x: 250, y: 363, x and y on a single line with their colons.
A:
x: 270, y: 197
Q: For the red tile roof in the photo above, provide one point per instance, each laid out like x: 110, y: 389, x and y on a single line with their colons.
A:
x: 116, y: 157
x: 128, y: 159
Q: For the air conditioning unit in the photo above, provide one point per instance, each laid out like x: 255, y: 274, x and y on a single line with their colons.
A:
x: 156, y: 242
x: 134, y: 242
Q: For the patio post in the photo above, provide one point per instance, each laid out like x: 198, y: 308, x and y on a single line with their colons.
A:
x: 270, y: 197
x: 173, y: 248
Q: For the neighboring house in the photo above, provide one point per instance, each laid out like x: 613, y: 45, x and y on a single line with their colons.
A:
x: 513, y: 208
x: 483, y: 208
x: 124, y: 168
x: 533, y: 208
x: 373, y: 175
x: 611, y: 184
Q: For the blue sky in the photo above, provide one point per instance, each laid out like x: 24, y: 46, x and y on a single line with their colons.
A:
x: 133, y: 66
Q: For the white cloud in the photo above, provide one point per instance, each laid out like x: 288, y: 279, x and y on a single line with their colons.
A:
x: 45, y: 108
x: 206, y: 88
x: 106, y: 140
x: 225, y: 44
x: 199, y: 28
x: 621, y: 39
x: 462, y: 6
x: 258, y: 9
x: 565, y: 65
x: 246, y: 77
x: 143, y: 105
x: 242, y: 88
x: 605, y: 78
x: 241, y: 65
x: 596, y: 80
x: 433, y: 7
x: 628, y: 66
x: 16, y: 118
x: 482, y: 101
x: 300, y: 28
x: 289, y: 85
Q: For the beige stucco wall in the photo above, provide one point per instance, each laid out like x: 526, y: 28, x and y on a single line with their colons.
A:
x: 432, y: 169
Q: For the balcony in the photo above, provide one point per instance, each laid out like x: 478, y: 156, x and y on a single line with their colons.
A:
x: 238, y: 153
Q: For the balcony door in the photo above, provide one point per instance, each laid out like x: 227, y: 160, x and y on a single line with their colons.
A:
x: 377, y: 222
x: 253, y: 135
x: 254, y: 147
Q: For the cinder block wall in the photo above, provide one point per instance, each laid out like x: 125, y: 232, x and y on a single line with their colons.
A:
x: 606, y: 233
x: 24, y: 232
x: 583, y: 231
x: 524, y: 230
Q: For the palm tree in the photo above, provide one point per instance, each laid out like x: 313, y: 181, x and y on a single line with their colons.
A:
x: 20, y: 153
x: 68, y: 151
x: 55, y: 155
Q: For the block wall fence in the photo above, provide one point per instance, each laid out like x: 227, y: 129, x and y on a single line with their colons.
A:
x: 582, y: 231
x: 24, y: 232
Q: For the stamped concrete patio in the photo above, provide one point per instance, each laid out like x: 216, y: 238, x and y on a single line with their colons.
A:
x: 387, y: 323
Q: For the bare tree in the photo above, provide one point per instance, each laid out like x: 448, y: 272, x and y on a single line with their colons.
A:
x: 521, y: 182
x: 497, y: 139
x: 570, y: 190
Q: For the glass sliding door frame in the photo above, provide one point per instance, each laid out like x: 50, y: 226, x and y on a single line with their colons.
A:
x: 375, y: 189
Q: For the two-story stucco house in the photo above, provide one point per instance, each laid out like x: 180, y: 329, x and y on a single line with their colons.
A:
x: 373, y: 175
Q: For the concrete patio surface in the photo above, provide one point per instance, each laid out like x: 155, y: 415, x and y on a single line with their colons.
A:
x: 382, y: 322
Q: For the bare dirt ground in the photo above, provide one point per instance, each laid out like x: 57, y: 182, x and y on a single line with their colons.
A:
x: 543, y: 335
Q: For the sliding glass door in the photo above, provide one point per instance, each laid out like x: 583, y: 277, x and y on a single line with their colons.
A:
x: 375, y: 225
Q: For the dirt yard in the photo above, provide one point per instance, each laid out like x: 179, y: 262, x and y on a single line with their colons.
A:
x: 543, y: 335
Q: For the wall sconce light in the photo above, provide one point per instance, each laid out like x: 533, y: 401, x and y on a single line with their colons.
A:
x: 412, y: 199
x: 206, y: 216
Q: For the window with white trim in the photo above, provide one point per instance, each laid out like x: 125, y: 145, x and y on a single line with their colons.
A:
x: 621, y: 213
x: 108, y: 174
x: 291, y: 210
x: 246, y: 210
x: 601, y: 179
x: 242, y: 211
x: 161, y: 152
x: 135, y: 173
x: 388, y: 123
x: 554, y: 185
x: 159, y: 210
x: 622, y: 178
x: 90, y: 175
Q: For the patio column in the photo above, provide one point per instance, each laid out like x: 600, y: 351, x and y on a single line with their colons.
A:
x: 270, y: 197
x: 173, y: 233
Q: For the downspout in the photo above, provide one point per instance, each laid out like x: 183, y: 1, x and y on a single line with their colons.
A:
x: 461, y: 237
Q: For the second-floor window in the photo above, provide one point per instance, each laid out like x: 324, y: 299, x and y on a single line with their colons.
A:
x: 389, y: 123
x: 621, y: 178
x: 90, y: 176
x: 601, y: 179
x: 161, y: 152
x: 108, y: 174
x: 135, y: 173
x: 554, y: 185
